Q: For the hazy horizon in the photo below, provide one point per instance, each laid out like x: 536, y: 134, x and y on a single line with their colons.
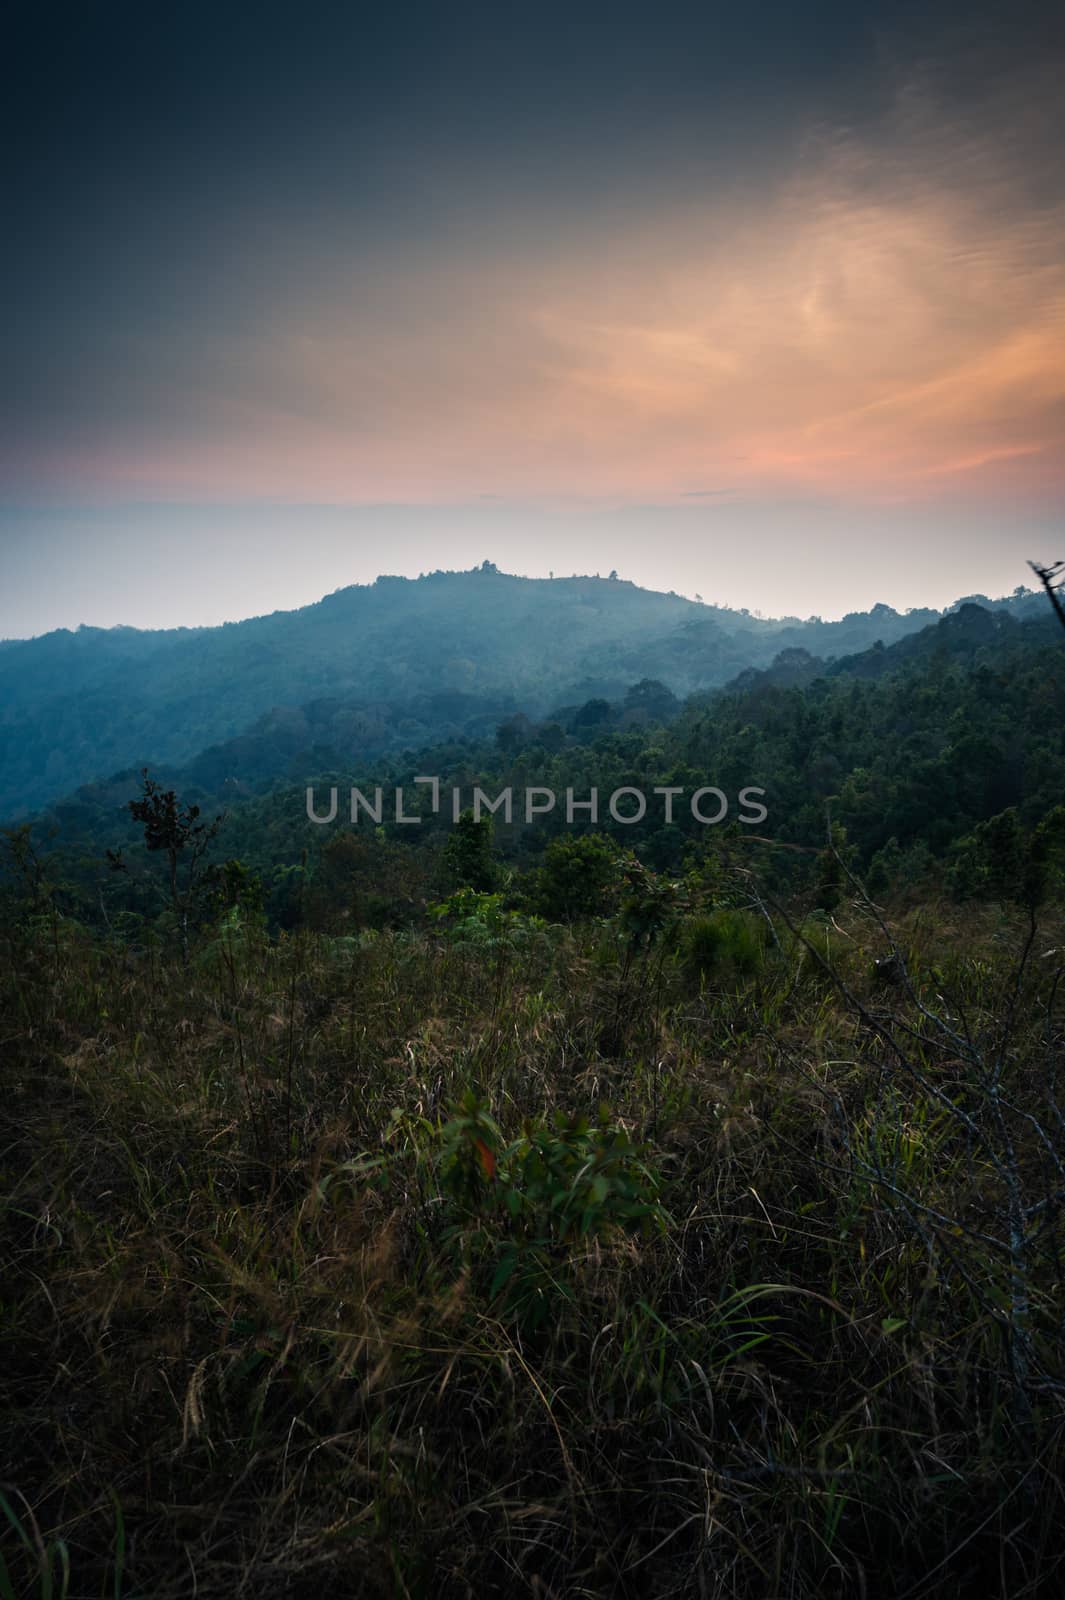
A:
x: 768, y: 307
x: 233, y: 590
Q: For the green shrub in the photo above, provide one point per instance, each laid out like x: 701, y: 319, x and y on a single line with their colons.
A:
x: 527, y: 1206
x: 578, y: 879
x: 475, y: 919
x: 723, y: 944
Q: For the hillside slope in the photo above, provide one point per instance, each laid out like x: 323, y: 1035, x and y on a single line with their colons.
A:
x: 76, y: 707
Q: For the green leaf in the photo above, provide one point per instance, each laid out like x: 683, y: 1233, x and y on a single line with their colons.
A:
x: 503, y: 1273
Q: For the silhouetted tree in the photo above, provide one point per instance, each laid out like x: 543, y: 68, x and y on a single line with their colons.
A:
x: 174, y: 831
x: 1053, y: 582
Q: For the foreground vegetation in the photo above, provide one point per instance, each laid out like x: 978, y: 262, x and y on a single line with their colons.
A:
x: 699, y: 1256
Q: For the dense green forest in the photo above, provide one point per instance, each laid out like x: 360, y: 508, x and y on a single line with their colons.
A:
x: 412, y: 661
x: 462, y: 1206
x: 908, y: 750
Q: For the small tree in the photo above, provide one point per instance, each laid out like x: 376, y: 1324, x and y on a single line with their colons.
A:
x: 468, y: 853
x: 831, y: 867
x: 174, y: 831
x: 578, y: 878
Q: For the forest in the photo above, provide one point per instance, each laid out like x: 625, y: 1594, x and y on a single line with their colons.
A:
x: 410, y: 661
x: 902, y: 756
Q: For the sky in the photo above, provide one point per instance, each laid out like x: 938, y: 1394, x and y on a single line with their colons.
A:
x: 762, y: 303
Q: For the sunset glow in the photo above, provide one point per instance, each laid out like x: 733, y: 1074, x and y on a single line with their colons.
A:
x: 854, y: 297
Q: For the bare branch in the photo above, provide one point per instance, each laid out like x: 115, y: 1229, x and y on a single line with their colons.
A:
x: 1053, y: 582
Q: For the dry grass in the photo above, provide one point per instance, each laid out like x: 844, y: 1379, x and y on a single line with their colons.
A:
x: 252, y: 1343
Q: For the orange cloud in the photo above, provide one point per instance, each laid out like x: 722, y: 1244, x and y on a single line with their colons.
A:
x: 886, y: 324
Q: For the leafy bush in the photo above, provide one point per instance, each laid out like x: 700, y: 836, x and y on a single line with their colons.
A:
x: 578, y: 877
x: 538, y: 1199
x: 471, y: 917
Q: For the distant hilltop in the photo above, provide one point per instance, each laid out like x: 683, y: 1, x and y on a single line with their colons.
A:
x: 79, y: 705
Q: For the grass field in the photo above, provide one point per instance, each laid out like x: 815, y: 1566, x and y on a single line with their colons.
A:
x: 534, y: 1262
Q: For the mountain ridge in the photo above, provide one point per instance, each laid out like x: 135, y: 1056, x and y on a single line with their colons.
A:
x: 161, y: 697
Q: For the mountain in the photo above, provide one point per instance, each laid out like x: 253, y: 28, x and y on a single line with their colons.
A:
x: 389, y: 665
